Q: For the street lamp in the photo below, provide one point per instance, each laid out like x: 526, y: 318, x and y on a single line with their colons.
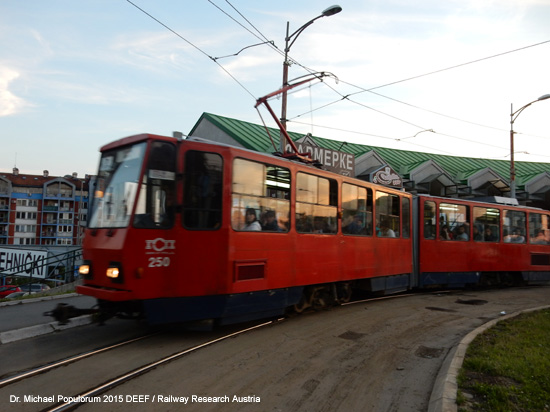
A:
x: 513, y: 117
x: 289, y: 41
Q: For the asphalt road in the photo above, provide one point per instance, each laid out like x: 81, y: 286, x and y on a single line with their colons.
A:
x: 373, y: 356
x: 31, y: 312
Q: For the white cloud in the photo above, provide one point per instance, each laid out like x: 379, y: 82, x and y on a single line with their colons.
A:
x: 10, y: 104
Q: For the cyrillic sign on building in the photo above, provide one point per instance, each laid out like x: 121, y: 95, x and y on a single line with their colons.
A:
x: 332, y: 160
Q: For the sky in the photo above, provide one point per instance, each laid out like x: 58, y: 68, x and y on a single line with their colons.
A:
x: 75, y: 75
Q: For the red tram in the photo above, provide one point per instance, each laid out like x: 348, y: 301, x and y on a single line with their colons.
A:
x: 184, y: 230
x: 468, y: 242
x: 187, y: 229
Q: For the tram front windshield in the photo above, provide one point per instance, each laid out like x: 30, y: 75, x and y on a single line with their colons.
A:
x: 116, y: 187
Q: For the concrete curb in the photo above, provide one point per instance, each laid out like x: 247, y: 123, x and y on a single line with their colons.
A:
x: 37, y: 330
x: 443, y: 397
x: 38, y: 299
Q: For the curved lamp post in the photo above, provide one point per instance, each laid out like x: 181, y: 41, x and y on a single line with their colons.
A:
x: 289, y: 41
x: 513, y: 117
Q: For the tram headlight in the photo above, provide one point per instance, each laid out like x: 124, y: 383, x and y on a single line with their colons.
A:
x: 114, y: 272
x: 85, y: 270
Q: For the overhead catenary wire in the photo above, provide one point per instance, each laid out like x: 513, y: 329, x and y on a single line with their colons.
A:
x: 342, y: 96
x: 398, y: 139
x: 370, y: 90
x: 194, y: 46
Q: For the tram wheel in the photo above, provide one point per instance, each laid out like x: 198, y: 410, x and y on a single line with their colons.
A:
x: 344, y: 293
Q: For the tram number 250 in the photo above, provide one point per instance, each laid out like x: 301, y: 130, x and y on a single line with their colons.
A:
x: 159, y: 262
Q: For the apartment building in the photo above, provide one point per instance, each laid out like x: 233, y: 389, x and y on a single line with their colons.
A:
x: 42, y: 209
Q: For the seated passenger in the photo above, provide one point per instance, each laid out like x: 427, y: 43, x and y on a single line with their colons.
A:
x: 515, y: 237
x: 251, y: 221
x: 269, y: 222
x: 489, y: 236
x: 476, y: 235
x: 355, y: 227
x: 445, y: 233
x: 461, y: 233
x: 539, y: 238
x: 320, y: 226
x: 303, y: 224
x: 385, y: 230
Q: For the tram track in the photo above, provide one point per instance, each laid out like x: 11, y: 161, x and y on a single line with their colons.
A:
x: 73, y: 402
x: 63, y: 385
x: 45, y: 368
x: 68, y: 383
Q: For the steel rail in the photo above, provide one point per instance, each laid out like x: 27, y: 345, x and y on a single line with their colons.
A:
x: 50, y: 366
x: 75, y: 401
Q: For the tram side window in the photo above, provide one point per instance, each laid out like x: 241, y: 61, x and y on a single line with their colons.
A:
x: 357, y: 210
x: 539, y: 229
x: 157, y: 196
x: 429, y: 220
x: 387, y: 215
x: 454, y: 222
x: 486, y: 224
x: 202, y: 190
x: 261, y: 197
x: 316, y: 204
x: 513, y: 227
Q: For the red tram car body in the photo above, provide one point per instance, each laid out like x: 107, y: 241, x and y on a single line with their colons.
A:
x: 469, y: 242
x: 184, y: 230
x: 171, y: 233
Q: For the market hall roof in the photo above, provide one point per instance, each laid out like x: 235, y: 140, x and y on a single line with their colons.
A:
x: 460, y: 169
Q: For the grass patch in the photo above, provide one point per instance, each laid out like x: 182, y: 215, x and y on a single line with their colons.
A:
x: 507, y: 368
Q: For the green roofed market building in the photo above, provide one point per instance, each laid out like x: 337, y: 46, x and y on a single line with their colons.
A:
x: 415, y: 172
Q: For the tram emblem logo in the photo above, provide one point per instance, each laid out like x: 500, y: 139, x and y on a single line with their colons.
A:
x: 160, y: 245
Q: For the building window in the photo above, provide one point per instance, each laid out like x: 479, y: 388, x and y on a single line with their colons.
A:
x: 25, y: 228
x: 26, y: 215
